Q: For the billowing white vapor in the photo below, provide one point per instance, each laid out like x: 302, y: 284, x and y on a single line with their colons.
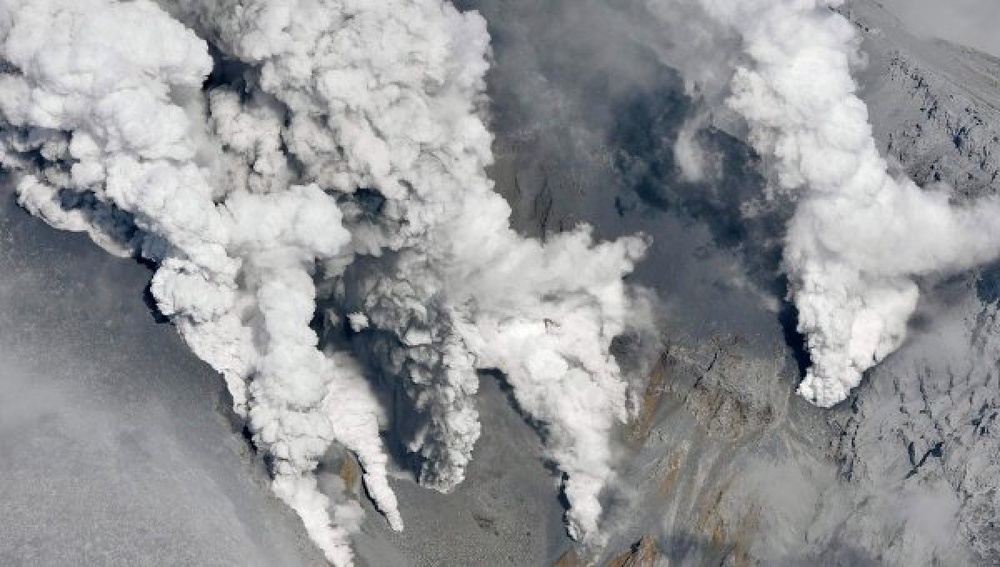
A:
x: 103, y: 109
x: 859, y: 236
x: 333, y: 163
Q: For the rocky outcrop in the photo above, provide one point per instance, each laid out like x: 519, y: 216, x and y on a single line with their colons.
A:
x: 644, y: 553
x: 934, y: 105
x: 569, y: 559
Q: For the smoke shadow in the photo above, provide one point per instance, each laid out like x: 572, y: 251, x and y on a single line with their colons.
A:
x: 147, y: 292
x: 644, y: 139
x: 539, y: 427
x: 988, y: 283
x: 796, y: 342
x: 373, y: 351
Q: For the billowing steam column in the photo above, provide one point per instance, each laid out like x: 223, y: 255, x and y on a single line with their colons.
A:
x: 104, y: 118
x: 380, y: 103
x: 332, y: 154
x: 859, y: 236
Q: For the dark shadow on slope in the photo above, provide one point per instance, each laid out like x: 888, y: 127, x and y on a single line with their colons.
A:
x: 147, y: 293
x: 988, y: 283
x: 788, y: 317
x: 645, y: 136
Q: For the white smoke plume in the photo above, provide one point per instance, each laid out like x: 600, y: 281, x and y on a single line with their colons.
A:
x: 335, y: 156
x: 860, y: 236
x: 104, y: 97
x: 443, y: 285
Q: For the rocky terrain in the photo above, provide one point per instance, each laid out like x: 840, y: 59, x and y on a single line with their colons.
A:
x: 933, y: 104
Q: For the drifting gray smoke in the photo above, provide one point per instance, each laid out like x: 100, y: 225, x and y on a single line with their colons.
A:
x: 860, y: 236
x: 336, y: 157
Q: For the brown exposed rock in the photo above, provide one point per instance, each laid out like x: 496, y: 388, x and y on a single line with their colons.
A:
x: 350, y: 473
x: 569, y: 559
x: 734, y: 542
x: 733, y: 395
x: 644, y: 553
x: 729, y: 539
x: 672, y: 471
x: 652, y: 399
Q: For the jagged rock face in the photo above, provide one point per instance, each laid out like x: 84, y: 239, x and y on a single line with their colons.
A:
x: 644, y: 553
x: 927, y: 419
x: 569, y: 559
x: 934, y: 105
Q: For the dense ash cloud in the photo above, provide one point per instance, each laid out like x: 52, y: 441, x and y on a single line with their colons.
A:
x: 334, y: 154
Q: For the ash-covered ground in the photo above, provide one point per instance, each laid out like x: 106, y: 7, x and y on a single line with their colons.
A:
x: 118, y: 444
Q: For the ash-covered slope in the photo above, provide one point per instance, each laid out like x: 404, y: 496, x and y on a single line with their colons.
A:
x: 936, y: 109
x: 934, y: 105
x: 118, y: 444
